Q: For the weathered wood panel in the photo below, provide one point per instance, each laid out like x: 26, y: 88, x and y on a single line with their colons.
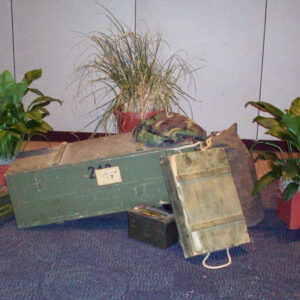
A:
x: 205, y: 202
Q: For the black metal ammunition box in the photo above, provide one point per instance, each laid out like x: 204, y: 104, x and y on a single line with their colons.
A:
x: 151, y: 225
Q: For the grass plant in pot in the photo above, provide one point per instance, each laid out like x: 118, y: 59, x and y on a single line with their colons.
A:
x: 285, y: 168
x: 127, y: 77
x: 17, y: 124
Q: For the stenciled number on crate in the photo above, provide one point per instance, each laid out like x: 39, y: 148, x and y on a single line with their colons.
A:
x: 92, y: 170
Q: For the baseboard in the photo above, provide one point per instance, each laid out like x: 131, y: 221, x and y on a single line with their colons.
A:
x: 68, y: 136
x: 261, y: 146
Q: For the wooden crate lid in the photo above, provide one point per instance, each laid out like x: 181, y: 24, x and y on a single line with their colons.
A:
x: 72, y: 153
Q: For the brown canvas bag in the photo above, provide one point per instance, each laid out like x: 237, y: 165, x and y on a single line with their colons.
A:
x: 243, y: 172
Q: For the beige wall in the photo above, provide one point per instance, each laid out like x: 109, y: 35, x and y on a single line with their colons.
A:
x: 228, y: 36
x: 6, y: 51
x: 225, y: 37
x: 281, y: 76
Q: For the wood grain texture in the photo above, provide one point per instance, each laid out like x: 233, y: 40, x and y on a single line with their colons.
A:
x: 205, y: 201
x: 268, y: 195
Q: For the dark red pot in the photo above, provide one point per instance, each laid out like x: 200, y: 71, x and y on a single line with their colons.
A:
x: 3, y: 169
x: 127, y: 120
x: 289, y: 211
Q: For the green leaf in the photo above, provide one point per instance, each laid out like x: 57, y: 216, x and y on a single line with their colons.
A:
x: 32, y: 75
x: 292, y: 123
x: 282, y: 134
x: 290, y: 169
x: 273, y: 145
x: 14, y: 134
x: 277, y: 129
x: 290, y: 191
x: 265, y: 143
x: 2, y: 108
x: 36, y: 91
x: 15, y: 122
x: 6, y: 80
x: 267, y: 107
x: 44, y: 111
x: 44, y: 127
x: 3, y: 133
x: 34, y: 115
x: 266, y: 155
x: 15, y: 112
x: 21, y: 127
x: 267, y: 122
x: 295, y: 107
x: 15, y: 92
x: 41, y: 134
x: 42, y: 101
x: 266, y: 180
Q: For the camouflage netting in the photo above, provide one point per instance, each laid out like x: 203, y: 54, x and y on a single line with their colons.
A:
x: 243, y: 172
x: 168, y: 128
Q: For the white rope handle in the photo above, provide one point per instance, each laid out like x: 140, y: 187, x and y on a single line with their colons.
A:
x: 186, y: 146
x: 217, y: 267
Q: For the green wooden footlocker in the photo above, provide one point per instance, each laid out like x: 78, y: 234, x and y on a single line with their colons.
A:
x: 84, y: 179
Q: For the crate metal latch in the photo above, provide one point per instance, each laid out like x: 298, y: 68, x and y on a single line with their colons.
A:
x: 37, y: 181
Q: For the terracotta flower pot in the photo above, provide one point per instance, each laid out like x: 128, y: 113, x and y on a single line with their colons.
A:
x: 3, y: 169
x: 127, y: 120
x: 289, y: 211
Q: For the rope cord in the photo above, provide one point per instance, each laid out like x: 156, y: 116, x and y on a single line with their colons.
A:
x: 217, y: 267
x: 186, y: 146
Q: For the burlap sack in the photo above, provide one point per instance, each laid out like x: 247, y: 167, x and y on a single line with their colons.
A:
x: 243, y: 172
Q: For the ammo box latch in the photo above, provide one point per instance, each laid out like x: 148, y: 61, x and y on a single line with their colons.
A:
x: 37, y: 181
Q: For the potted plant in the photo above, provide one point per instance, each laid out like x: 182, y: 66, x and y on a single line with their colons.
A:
x: 127, y: 77
x: 18, y: 124
x: 285, y: 169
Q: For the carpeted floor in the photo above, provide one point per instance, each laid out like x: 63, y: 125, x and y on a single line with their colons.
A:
x: 94, y: 259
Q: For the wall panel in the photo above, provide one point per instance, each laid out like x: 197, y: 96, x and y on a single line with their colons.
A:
x: 281, y: 75
x: 228, y: 35
x: 223, y: 37
x: 6, y: 48
x: 48, y: 36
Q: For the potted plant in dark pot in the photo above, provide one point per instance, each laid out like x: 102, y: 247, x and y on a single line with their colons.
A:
x: 285, y: 168
x: 127, y: 77
x: 18, y: 124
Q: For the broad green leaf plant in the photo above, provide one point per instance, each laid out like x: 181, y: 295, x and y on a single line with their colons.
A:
x: 18, y: 124
x: 284, y: 125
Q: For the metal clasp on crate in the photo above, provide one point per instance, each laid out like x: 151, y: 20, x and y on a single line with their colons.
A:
x: 37, y: 181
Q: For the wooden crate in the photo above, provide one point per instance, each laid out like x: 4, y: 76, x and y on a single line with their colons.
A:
x: 83, y: 179
x: 205, y: 202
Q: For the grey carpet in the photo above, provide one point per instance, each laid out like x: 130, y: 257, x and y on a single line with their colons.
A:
x: 94, y: 259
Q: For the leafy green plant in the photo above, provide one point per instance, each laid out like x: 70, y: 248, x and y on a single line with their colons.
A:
x: 284, y: 125
x: 125, y: 73
x: 16, y: 122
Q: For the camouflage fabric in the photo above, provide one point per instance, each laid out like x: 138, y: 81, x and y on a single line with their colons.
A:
x: 167, y: 128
